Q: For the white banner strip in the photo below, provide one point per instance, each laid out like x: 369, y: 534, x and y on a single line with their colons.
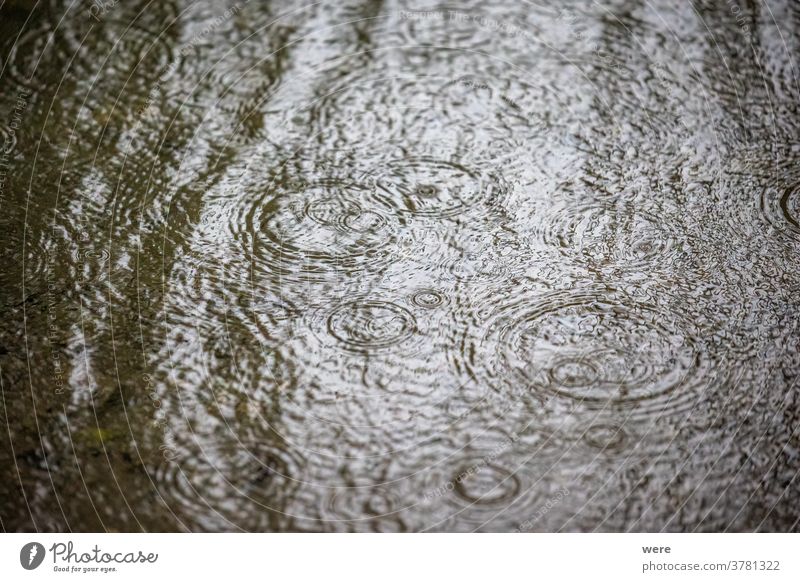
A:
x: 353, y: 557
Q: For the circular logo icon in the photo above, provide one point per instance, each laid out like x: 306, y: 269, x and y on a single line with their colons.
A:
x: 31, y: 555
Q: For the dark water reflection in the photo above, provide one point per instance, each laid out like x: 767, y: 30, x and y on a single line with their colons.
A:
x: 379, y: 266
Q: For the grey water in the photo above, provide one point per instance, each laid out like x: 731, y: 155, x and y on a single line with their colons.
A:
x: 400, y: 265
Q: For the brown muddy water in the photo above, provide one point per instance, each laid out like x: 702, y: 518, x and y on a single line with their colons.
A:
x: 400, y: 266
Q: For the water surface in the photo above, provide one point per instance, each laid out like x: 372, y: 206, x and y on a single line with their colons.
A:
x: 392, y: 266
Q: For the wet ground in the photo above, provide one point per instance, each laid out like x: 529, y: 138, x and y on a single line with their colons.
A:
x: 390, y: 266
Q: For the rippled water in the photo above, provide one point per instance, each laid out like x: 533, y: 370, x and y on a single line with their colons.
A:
x: 391, y: 266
